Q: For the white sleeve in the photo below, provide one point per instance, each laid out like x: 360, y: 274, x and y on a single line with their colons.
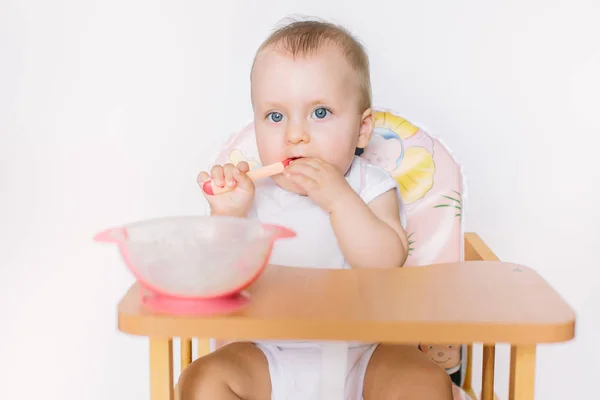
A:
x: 377, y: 182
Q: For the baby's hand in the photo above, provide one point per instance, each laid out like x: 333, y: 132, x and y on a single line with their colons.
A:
x: 236, y: 202
x: 323, y: 183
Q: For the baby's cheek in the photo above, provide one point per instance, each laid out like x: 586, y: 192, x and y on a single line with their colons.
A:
x: 269, y: 151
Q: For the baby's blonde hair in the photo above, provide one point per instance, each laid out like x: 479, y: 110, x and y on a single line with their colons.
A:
x: 303, y: 38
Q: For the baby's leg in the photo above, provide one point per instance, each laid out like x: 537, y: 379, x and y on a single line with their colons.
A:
x: 235, y: 371
x: 402, y: 372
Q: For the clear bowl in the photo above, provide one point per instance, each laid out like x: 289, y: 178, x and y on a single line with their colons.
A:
x: 195, y: 257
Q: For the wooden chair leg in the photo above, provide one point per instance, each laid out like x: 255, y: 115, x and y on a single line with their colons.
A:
x: 487, y: 378
x: 161, y: 369
x: 186, y: 353
x: 469, y: 373
x: 522, y: 372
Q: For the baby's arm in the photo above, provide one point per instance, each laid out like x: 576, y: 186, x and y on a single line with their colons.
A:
x: 371, y: 236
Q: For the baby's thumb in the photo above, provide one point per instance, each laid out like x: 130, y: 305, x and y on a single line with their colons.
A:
x: 243, y: 180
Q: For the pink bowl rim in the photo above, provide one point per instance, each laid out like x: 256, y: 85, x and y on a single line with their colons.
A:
x: 280, y: 232
x: 161, y: 292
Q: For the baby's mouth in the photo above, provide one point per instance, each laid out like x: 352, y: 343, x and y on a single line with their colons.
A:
x: 289, y: 160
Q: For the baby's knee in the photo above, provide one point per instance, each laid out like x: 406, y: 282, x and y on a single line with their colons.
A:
x: 430, y: 382
x: 237, y: 370
x: 197, y: 379
x: 203, y: 378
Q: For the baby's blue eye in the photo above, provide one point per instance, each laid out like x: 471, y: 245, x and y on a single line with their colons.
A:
x: 321, y: 112
x: 275, y: 116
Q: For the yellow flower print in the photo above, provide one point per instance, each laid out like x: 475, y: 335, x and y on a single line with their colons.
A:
x: 415, y: 174
x: 237, y: 156
x: 412, y: 167
x: 396, y: 124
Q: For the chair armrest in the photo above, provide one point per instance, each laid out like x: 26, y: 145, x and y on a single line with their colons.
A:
x: 476, y: 301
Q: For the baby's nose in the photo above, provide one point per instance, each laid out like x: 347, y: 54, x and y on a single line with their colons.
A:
x: 296, y: 134
x: 440, y: 354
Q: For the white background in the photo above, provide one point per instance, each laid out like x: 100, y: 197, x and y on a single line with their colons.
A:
x: 108, y: 110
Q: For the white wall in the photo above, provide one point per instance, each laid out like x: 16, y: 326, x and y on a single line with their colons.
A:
x: 108, y: 110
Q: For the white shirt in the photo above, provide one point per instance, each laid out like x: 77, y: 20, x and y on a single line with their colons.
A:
x: 315, y: 244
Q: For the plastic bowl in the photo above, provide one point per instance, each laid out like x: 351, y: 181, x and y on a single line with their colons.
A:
x: 182, y: 261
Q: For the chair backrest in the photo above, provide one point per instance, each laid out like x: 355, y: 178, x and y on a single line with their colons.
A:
x: 432, y: 188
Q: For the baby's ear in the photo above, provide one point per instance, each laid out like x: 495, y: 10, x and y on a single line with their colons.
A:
x: 367, y: 125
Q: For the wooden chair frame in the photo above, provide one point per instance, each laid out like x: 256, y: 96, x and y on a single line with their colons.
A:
x: 491, y: 302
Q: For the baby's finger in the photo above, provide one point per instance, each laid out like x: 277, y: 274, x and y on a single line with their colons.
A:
x: 305, y: 182
x: 228, y: 170
x: 243, y: 180
x: 202, y: 177
x: 313, y: 162
x: 243, y: 166
x: 218, y: 176
x: 303, y: 168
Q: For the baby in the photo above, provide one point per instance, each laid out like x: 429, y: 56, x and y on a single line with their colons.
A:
x: 311, y: 95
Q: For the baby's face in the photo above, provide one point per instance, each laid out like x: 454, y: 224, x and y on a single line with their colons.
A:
x: 307, y: 107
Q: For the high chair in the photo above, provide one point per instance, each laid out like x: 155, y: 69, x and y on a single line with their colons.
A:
x: 459, y: 295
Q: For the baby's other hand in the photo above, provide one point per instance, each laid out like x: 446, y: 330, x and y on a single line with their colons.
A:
x: 322, y: 181
x: 235, y: 202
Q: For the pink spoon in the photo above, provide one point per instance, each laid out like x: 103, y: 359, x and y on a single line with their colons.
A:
x: 264, y: 172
